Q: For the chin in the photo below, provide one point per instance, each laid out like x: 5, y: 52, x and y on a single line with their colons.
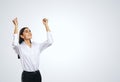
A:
x: 29, y: 38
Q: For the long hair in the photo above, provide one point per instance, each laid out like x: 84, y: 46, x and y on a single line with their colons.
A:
x: 21, y: 39
x: 21, y: 33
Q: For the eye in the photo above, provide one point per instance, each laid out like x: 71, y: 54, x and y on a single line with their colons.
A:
x: 26, y: 31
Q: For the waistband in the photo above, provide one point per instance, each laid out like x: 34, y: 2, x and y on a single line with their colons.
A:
x: 31, y: 71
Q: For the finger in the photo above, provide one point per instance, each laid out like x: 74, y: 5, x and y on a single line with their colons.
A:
x: 44, y: 20
x: 16, y: 18
x: 13, y: 21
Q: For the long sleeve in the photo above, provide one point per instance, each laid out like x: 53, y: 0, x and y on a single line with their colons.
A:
x: 15, y: 43
x: 15, y: 40
x: 47, y: 43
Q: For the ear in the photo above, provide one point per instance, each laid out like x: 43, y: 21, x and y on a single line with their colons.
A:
x: 22, y: 36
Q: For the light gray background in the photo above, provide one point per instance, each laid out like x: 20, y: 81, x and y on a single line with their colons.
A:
x: 86, y: 39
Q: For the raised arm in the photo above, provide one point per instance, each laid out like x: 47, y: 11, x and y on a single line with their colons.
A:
x: 15, y: 34
x: 49, y: 40
x: 15, y: 37
x: 15, y: 22
x: 45, y: 22
x: 49, y: 35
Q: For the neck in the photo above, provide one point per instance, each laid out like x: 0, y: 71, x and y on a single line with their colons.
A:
x: 28, y: 42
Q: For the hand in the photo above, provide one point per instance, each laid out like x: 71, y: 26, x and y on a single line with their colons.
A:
x: 45, y: 21
x: 15, y: 22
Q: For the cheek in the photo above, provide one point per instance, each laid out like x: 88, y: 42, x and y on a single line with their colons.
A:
x: 30, y: 34
x: 27, y: 35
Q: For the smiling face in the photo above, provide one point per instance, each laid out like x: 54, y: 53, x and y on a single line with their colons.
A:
x: 26, y: 35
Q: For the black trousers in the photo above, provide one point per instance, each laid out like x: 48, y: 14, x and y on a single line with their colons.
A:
x: 31, y: 76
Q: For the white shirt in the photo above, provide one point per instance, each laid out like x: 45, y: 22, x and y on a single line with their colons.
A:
x: 29, y: 56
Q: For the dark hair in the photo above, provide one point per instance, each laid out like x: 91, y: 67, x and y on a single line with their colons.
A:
x: 21, y: 39
x: 21, y: 33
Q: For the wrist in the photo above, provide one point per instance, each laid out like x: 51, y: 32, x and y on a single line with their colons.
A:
x: 46, y: 24
x: 16, y: 26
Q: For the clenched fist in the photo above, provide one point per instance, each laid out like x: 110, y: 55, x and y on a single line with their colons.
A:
x: 45, y: 21
x: 15, y: 22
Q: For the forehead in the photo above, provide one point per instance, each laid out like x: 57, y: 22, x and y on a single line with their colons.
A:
x: 26, y: 29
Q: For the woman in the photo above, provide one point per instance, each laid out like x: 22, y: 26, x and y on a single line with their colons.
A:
x: 29, y: 52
